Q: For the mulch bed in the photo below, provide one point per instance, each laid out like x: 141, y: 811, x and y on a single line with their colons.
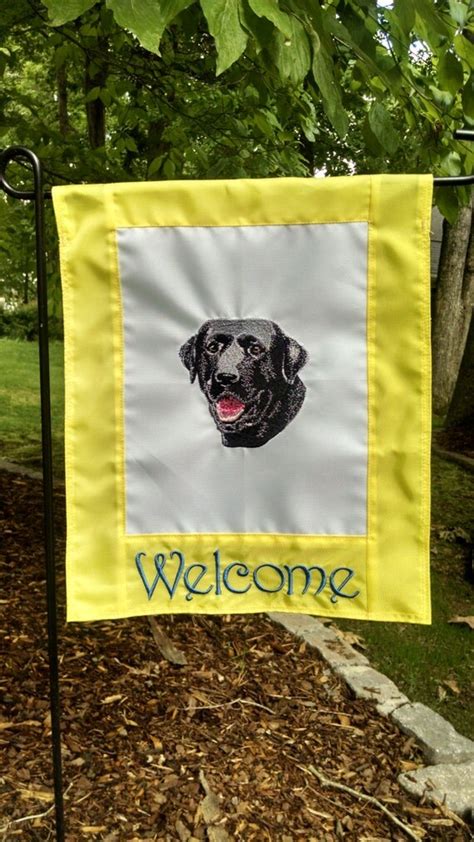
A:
x: 251, y: 739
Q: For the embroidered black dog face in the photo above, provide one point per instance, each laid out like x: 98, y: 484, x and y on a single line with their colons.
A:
x: 248, y: 371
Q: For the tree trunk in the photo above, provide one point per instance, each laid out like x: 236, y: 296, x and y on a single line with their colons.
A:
x: 95, y: 110
x: 307, y: 150
x: 156, y: 146
x: 26, y: 279
x: 461, y: 409
x: 453, y: 306
x: 63, y: 116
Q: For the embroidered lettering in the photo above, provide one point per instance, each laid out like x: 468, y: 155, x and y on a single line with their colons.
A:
x: 149, y: 588
x: 337, y: 590
x: 241, y: 570
x: 160, y: 562
x: 308, y: 577
x: 215, y: 578
x: 217, y: 560
x: 259, y: 585
x: 192, y: 587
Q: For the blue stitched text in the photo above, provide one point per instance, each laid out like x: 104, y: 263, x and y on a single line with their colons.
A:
x: 238, y: 578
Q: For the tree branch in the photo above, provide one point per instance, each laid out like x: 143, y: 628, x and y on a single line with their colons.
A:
x: 363, y: 797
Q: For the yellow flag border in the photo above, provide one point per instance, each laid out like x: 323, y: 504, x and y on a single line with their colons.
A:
x: 391, y: 563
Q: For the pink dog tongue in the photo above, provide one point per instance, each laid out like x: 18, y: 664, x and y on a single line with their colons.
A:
x: 228, y: 408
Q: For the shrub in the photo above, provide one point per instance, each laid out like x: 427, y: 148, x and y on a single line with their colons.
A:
x: 22, y: 323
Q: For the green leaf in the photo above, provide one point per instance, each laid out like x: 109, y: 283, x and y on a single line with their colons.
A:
x: 447, y: 200
x: 464, y: 49
x: 430, y: 17
x: 89, y: 31
x: 459, y: 12
x: 62, y: 11
x: 260, y: 29
x: 93, y: 94
x: 410, y: 118
x: 130, y: 144
x: 60, y: 55
x: 443, y: 99
x: 309, y: 129
x: 105, y: 96
x: 382, y: 126
x: 169, y: 169
x: 292, y: 56
x: 147, y: 20
x: 450, y: 73
x: 270, y: 10
x: 451, y: 164
x: 155, y: 165
x: 468, y: 99
x: 371, y: 144
x: 263, y: 124
x: 224, y: 24
x: 405, y: 14
x: 323, y: 72
x: 323, y: 47
x: 340, y: 33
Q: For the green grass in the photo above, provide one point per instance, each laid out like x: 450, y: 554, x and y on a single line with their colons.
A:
x: 418, y: 658
x: 20, y: 424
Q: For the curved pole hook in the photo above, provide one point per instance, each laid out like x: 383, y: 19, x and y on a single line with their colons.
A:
x: 18, y: 153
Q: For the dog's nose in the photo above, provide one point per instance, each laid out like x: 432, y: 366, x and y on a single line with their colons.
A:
x: 225, y: 378
x: 227, y: 369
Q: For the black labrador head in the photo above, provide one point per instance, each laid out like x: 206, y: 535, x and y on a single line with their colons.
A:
x: 247, y: 369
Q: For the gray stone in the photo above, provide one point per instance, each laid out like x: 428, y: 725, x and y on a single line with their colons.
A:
x: 334, y: 650
x: 440, y: 743
x: 367, y: 683
x: 14, y: 468
x: 451, y: 784
x: 438, y: 739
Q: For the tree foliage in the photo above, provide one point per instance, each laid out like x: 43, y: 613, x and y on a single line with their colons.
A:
x: 18, y: 266
x: 415, y: 55
x: 132, y: 89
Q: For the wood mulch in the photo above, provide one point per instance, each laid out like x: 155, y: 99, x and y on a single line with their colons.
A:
x: 253, y: 738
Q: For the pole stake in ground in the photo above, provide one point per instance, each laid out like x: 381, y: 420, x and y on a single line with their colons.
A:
x: 38, y: 195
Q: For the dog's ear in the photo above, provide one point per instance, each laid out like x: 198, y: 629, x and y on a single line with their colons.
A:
x: 187, y: 355
x: 294, y: 358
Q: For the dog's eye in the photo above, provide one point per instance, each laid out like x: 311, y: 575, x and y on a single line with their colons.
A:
x: 212, y: 346
x: 255, y: 350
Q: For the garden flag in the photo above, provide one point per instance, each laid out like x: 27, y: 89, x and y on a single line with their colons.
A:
x: 247, y: 396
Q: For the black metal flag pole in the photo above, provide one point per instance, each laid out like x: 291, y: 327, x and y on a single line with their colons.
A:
x: 38, y: 195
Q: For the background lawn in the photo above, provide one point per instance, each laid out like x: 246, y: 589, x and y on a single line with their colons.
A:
x: 435, y: 664
x: 20, y: 423
x: 431, y: 664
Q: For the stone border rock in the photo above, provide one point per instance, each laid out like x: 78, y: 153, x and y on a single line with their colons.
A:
x: 14, y: 468
x: 449, y: 776
x: 459, y: 458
